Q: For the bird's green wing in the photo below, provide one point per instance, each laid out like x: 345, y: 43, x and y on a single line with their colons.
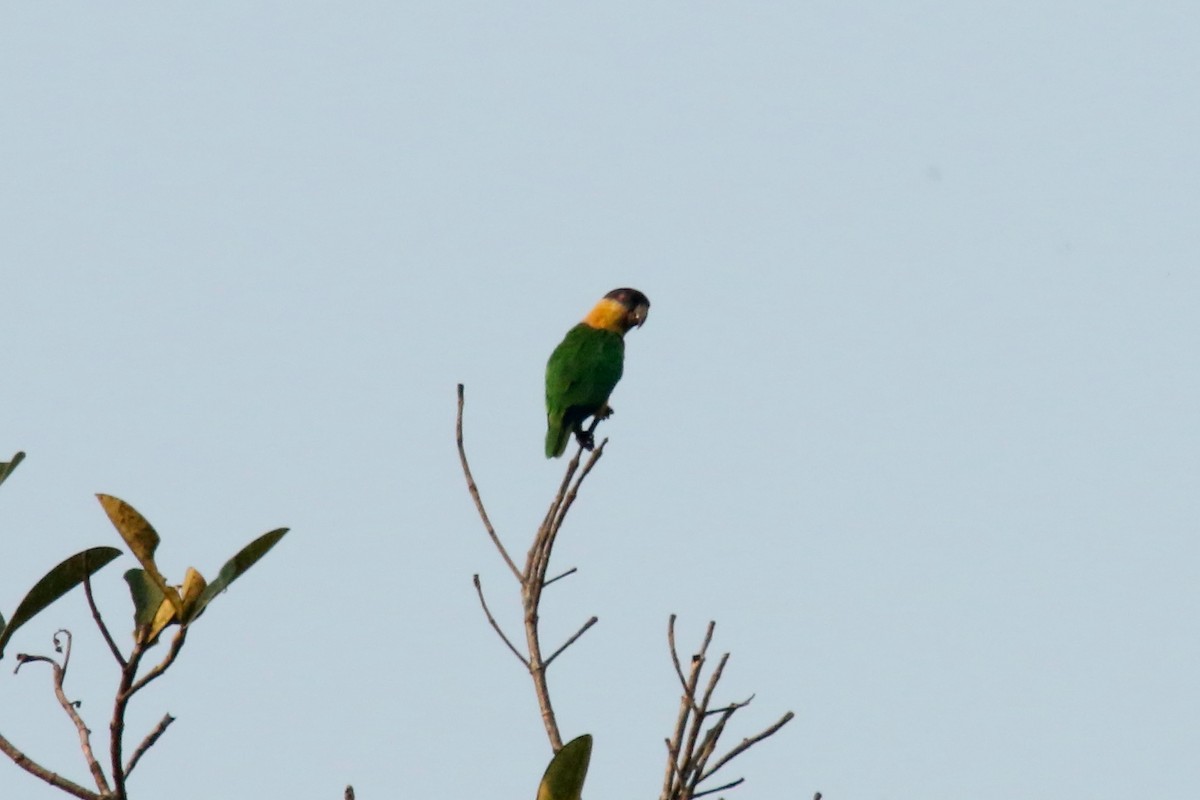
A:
x: 580, y: 375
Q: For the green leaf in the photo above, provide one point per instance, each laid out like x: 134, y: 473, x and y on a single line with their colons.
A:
x: 234, y: 568
x: 564, y: 777
x: 6, y: 467
x: 146, y: 595
x: 142, y: 540
x: 57, y: 582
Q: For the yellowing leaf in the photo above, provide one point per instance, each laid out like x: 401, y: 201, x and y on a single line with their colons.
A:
x: 162, y: 618
x: 142, y: 540
x: 193, y: 586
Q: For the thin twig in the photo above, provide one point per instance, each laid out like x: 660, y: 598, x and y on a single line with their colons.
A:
x: 38, y: 771
x: 552, y: 521
x: 112, y: 645
x: 697, y: 662
x: 708, y: 634
x: 708, y: 746
x: 552, y: 512
x: 65, y: 650
x: 59, y: 672
x: 569, y: 500
x: 474, y: 490
x: 148, y: 742
x: 538, y: 559
x: 129, y: 686
x: 495, y: 626
x: 713, y: 679
x: 675, y: 651
x: 685, y: 724
x: 746, y: 744
x: 697, y: 721
x: 731, y: 707
x: 714, y: 790
x: 161, y: 667
x: 672, y: 764
x: 571, y: 641
x: 571, y: 571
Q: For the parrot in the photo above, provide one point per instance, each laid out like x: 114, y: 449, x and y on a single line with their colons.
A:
x: 586, y: 365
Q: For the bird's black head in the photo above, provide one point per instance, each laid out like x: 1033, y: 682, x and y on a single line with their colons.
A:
x: 636, y: 305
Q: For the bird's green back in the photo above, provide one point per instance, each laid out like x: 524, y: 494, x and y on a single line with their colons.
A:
x: 584, y: 369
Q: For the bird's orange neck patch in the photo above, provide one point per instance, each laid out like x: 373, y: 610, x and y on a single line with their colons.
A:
x: 607, y: 315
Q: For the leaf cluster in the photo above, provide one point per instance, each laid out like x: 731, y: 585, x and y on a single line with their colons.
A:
x: 157, y: 605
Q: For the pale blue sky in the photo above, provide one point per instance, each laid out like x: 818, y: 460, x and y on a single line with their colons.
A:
x: 913, y: 417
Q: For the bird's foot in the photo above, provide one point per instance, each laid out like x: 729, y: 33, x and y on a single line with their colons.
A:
x: 605, y: 412
x: 586, y: 440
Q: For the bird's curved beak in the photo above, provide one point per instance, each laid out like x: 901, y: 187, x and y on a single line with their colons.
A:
x: 639, y: 313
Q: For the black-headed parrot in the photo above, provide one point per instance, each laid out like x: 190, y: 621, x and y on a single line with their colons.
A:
x: 585, y: 367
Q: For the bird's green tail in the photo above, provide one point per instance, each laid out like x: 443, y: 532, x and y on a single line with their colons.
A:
x: 557, y: 436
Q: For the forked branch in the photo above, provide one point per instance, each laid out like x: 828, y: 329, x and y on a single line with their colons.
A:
x: 130, y: 684
x: 533, y: 577
x: 692, y: 757
x: 59, y: 672
x: 693, y: 742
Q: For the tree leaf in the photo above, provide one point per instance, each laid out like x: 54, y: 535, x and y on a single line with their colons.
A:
x: 146, y: 596
x: 57, y: 582
x: 193, y: 586
x: 147, y: 599
x: 6, y: 467
x: 142, y: 540
x: 234, y: 568
x: 564, y: 777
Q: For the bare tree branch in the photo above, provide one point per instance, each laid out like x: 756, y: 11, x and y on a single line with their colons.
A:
x: 59, y: 672
x: 537, y: 671
x: 569, y: 500
x: 679, y: 755
x: 560, y: 576
x: 148, y: 742
x: 108, y: 639
x: 712, y: 684
x: 474, y: 490
x: 130, y: 685
x: 675, y: 652
x: 116, y: 727
x: 746, y: 744
x: 691, y: 744
x: 161, y: 667
x: 533, y: 577
x: 495, y: 626
x: 716, y: 789
x: 571, y: 641
x: 38, y: 771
